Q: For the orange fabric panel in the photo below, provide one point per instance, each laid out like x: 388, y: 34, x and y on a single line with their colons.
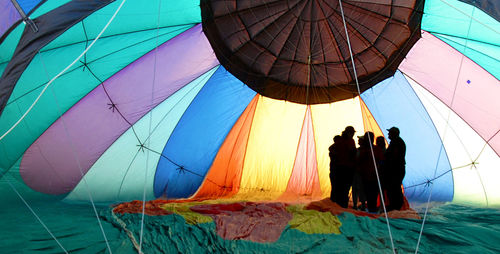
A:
x: 304, y: 181
x: 223, y: 178
x: 369, y: 122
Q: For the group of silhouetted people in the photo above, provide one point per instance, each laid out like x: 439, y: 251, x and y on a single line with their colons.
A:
x: 357, y: 168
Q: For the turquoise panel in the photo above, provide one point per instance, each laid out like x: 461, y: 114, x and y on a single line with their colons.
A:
x: 9, y: 44
x: 454, y: 21
x: 120, y: 46
x: 486, y: 55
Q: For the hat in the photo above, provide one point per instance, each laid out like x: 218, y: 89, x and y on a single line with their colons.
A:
x: 395, y: 130
x: 349, y: 128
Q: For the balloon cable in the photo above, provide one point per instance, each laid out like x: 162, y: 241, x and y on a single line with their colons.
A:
x: 369, y: 138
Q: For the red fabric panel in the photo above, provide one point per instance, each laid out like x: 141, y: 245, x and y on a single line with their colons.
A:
x: 304, y: 180
x: 258, y: 222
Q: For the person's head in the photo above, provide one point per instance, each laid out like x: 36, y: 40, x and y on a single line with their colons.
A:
x: 369, y: 137
x: 380, y: 141
x: 349, y: 131
x: 336, y: 139
x: 393, y: 132
x: 361, y: 140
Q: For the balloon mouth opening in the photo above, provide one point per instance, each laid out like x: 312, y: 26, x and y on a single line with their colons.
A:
x: 286, y: 53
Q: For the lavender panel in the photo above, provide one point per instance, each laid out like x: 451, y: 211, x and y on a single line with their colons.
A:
x: 59, y: 158
x: 8, y: 16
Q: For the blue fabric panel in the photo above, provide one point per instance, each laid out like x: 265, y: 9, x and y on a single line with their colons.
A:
x: 198, y: 135
x: 394, y: 103
x: 28, y: 5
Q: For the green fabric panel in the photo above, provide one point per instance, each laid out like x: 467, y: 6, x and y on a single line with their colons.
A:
x: 183, y: 210
x: 109, y: 55
x: 486, y: 55
x: 312, y: 221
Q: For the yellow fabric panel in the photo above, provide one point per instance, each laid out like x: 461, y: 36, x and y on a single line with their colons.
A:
x: 312, y: 221
x: 271, y: 149
x: 183, y: 210
x: 330, y: 120
x: 369, y: 121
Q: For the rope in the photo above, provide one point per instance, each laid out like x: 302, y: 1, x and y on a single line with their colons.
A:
x: 129, y: 233
x: 369, y: 139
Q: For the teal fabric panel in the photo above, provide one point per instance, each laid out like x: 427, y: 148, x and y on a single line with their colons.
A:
x: 486, y: 55
x: 9, y: 44
x: 455, y: 22
x: 118, y: 48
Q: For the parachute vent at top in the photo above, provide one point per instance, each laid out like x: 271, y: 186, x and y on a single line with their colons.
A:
x: 298, y: 50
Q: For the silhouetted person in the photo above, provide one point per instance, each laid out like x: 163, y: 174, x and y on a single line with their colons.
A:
x: 343, y: 162
x: 395, y: 169
x: 367, y: 163
x: 380, y: 143
x: 358, y: 192
x: 333, y: 152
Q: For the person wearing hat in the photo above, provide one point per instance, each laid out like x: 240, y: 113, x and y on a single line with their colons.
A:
x: 395, y: 169
x: 342, y: 164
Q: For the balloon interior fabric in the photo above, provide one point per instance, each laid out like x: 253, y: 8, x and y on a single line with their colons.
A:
x: 239, y: 101
x: 298, y: 50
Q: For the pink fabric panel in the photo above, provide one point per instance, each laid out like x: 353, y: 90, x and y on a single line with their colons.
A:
x: 304, y: 179
x: 435, y: 66
x: 257, y: 222
x: 59, y: 158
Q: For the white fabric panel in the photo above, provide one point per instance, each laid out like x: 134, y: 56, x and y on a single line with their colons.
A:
x: 473, y: 184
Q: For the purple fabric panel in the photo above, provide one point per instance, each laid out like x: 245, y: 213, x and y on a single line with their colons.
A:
x: 50, y: 165
x: 8, y: 15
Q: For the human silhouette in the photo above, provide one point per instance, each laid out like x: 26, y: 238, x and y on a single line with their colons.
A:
x: 343, y: 160
x: 380, y: 143
x: 358, y: 192
x: 367, y: 163
x: 395, y: 169
x: 333, y: 153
